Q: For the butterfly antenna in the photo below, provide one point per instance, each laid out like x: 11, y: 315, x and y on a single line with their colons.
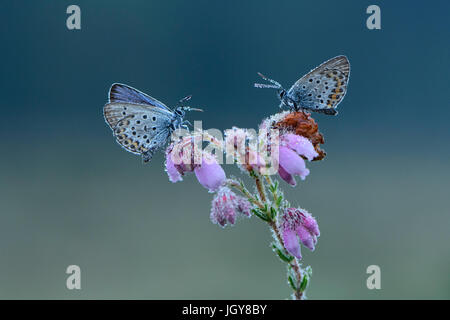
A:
x: 264, y: 86
x: 186, y: 108
x: 187, y: 98
x: 274, y: 85
x: 193, y: 109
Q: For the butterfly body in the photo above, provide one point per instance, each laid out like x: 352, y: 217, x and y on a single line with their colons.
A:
x: 320, y: 90
x: 140, y: 123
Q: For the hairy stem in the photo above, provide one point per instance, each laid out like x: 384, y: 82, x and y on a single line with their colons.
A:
x: 260, y: 187
x: 245, y: 192
x: 274, y: 193
x: 262, y: 203
x: 273, y: 225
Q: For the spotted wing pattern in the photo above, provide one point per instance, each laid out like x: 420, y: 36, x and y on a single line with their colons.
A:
x: 140, y: 129
x: 323, y: 88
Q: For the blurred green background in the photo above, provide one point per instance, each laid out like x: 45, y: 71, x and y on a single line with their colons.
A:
x: 70, y: 195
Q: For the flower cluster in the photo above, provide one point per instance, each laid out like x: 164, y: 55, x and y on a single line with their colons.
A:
x: 181, y: 157
x: 299, y: 224
x: 297, y: 140
x: 226, y: 205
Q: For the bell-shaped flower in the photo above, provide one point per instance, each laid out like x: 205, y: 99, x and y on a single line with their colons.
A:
x: 292, y: 152
x: 297, y: 225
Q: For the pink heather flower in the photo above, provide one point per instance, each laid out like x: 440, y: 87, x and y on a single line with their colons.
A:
x: 226, y: 205
x: 172, y: 171
x: 176, y: 164
x: 244, y: 206
x: 291, y: 151
x: 298, y: 224
x: 210, y: 174
x: 299, y: 144
x: 180, y: 158
x: 286, y: 176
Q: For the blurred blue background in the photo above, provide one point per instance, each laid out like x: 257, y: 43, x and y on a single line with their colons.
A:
x: 70, y: 195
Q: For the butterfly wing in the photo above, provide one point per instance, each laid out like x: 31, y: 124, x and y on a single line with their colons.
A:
x: 122, y: 93
x: 323, y: 88
x: 140, y: 129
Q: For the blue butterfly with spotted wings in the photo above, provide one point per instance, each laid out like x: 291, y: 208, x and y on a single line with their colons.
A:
x: 141, y: 124
x: 320, y: 90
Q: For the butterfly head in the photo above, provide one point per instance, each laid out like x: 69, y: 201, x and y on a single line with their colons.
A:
x: 180, y: 110
x: 282, y: 95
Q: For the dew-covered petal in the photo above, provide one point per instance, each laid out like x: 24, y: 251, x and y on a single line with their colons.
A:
x: 286, y: 176
x: 230, y: 215
x: 210, y: 174
x: 292, y: 163
x: 244, y: 206
x: 172, y: 171
x: 299, y: 144
x: 291, y: 242
x: 306, y: 237
x: 311, y: 224
x: 217, y: 217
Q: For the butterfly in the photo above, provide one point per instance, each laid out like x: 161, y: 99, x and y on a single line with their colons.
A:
x: 320, y: 90
x: 141, y: 124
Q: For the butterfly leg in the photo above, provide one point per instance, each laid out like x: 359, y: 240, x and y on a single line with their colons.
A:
x: 147, y: 155
x: 185, y: 124
x: 288, y: 102
x: 331, y: 112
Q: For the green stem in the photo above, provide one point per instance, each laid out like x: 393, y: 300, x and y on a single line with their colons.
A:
x: 273, y: 225
x: 272, y: 222
x: 260, y: 187
x: 245, y: 192
x: 273, y: 189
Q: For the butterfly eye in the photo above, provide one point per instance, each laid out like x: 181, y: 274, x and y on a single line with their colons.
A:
x: 282, y: 93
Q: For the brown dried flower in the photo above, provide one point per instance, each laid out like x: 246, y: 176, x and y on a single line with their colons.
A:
x: 301, y: 123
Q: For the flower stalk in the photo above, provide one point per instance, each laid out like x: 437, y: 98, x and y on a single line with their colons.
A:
x: 299, y: 141
x: 293, y: 265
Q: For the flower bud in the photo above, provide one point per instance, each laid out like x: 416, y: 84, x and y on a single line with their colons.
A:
x: 226, y: 205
